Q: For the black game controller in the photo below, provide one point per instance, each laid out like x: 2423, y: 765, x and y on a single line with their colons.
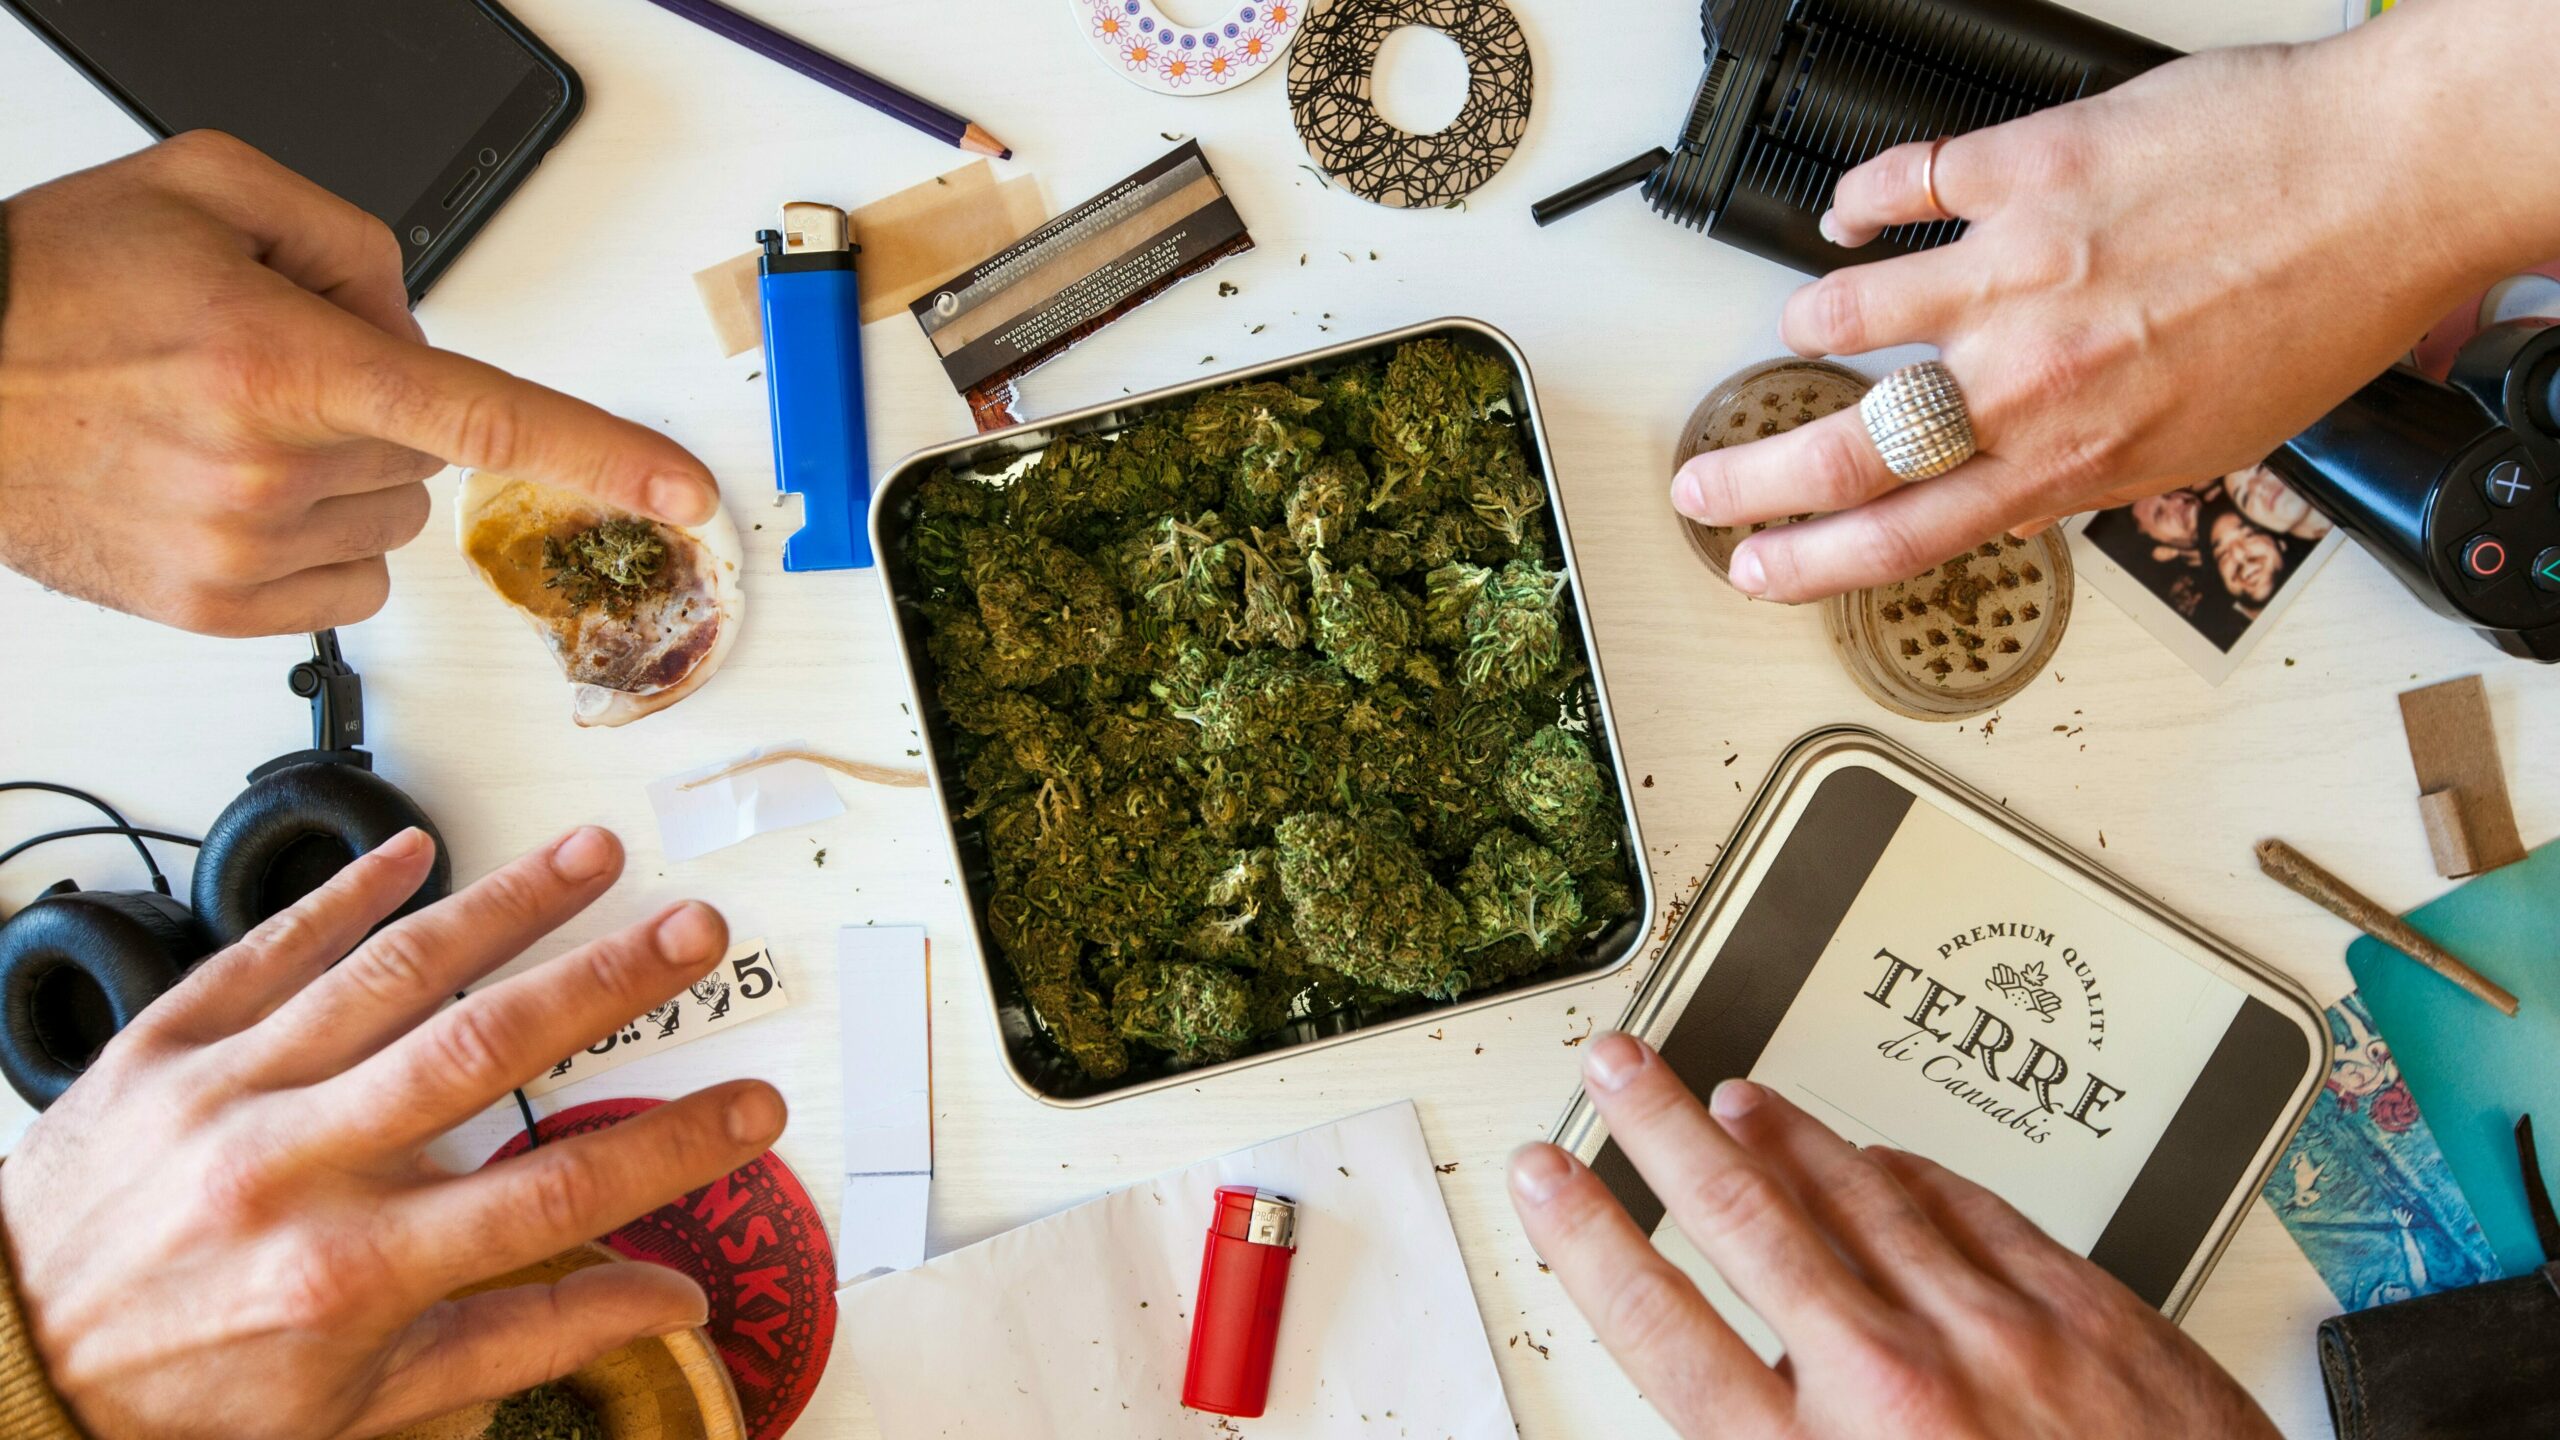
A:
x: 2455, y: 486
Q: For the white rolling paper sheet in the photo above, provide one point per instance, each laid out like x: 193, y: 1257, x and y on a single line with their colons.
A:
x: 1078, y: 1326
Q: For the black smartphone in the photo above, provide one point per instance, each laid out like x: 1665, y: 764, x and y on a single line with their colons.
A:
x: 428, y: 113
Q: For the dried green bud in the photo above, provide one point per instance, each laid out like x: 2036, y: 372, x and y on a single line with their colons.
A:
x: 1515, y: 635
x: 1516, y: 888
x: 1259, y: 431
x: 1502, y: 492
x: 1552, y: 782
x: 545, y: 1412
x: 1362, y: 902
x: 1044, y: 606
x: 1265, y: 696
x: 616, y: 565
x: 1326, y: 501
x: 1196, y: 1012
x: 1274, y: 607
x: 1450, y: 593
x: 1362, y: 625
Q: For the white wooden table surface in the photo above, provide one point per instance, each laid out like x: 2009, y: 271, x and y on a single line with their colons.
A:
x: 688, y: 145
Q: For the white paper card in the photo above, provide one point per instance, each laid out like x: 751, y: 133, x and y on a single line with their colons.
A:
x: 747, y: 985
x: 712, y: 816
x: 882, y: 977
x: 1085, y: 1316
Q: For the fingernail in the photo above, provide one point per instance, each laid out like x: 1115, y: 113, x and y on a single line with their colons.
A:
x: 755, y: 1116
x: 678, y: 1328
x: 688, y: 934
x: 1734, y: 1099
x: 682, y: 498
x: 1538, y: 1171
x: 1830, y: 228
x: 582, y: 855
x: 403, y: 846
x: 1689, y: 497
x: 1745, y: 573
x: 1614, y: 1060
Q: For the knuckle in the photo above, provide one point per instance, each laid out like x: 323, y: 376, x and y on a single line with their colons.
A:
x: 235, y: 1187
x: 1889, y: 549
x: 1896, y: 1380
x: 468, y: 1044
x: 204, y: 147
x: 408, y: 517
x: 514, y: 897
x: 1840, y: 461
x: 1836, y: 307
x: 561, y: 1194
x: 1647, y: 1311
x: 224, y: 612
x: 487, y: 430
x: 1736, y: 1198
x: 391, y: 968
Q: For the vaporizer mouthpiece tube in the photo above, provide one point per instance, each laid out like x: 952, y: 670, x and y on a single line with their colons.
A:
x: 1235, y: 1322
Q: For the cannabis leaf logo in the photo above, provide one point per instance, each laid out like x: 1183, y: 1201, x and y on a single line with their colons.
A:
x: 2025, y: 986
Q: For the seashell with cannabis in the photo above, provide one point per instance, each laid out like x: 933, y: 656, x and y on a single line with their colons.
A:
x: 637, y: 613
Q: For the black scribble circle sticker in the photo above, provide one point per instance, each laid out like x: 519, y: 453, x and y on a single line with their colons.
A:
x: 1332, y: 69
x: 2024, y: 985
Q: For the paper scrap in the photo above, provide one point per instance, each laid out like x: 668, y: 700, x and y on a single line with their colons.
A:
x: 696, y: 819
x: 1086, y: 1315
x: 911, y: 241
x: 883, y: 979
x: 747, y: 986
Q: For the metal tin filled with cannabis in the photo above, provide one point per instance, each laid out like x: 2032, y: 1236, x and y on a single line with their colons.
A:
x: 1034, y: 1053
x: 1918, y: 967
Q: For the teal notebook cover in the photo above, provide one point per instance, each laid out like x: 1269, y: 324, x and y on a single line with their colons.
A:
x: 2471, y: 1069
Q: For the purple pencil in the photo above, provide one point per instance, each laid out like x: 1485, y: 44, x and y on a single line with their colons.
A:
x: 838, y: 76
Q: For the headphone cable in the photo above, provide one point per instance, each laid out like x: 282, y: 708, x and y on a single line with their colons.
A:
x: 125, y: 827
x: 131, y: 832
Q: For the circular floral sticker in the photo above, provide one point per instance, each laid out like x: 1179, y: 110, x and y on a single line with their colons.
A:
x: 1138, y: 40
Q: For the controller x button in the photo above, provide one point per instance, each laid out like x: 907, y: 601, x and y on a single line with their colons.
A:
x: 2507, y: 484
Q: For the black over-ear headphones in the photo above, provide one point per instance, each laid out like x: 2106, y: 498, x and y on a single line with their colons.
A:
x: 77, y: 965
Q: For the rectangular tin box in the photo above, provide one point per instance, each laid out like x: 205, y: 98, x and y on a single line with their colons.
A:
x: 1033, y: 1060
x: 1666, y: 994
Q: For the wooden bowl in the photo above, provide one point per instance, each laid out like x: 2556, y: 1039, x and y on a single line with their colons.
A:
x: 671, y: 1387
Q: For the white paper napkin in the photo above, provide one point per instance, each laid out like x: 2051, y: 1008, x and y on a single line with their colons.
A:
x: 1078, y: 1326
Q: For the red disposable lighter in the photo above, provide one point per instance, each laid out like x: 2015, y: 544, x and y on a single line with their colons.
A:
x: 1235, y: 1324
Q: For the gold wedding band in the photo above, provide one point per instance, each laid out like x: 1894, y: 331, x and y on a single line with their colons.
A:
x: 1929, y: 179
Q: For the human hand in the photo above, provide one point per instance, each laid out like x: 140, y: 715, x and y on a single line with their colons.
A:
x: 2158, y: 285
x: 216, y: 411
x: 1911, y: 1302
x: 227, y: 1228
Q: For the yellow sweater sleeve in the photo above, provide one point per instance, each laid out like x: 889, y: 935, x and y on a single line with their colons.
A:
x: 29, y: 1410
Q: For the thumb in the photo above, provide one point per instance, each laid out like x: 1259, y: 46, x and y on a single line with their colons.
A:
x: 480, y: 417
x: 486, y: 1346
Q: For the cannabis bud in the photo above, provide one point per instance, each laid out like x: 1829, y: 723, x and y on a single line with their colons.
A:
x: 616, y: 564
x: 545, y: 1412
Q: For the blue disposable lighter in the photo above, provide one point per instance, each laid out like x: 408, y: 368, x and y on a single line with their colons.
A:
x: 813, y: 368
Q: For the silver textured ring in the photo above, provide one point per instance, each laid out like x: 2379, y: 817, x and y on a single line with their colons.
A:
x: 1918, y: 419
